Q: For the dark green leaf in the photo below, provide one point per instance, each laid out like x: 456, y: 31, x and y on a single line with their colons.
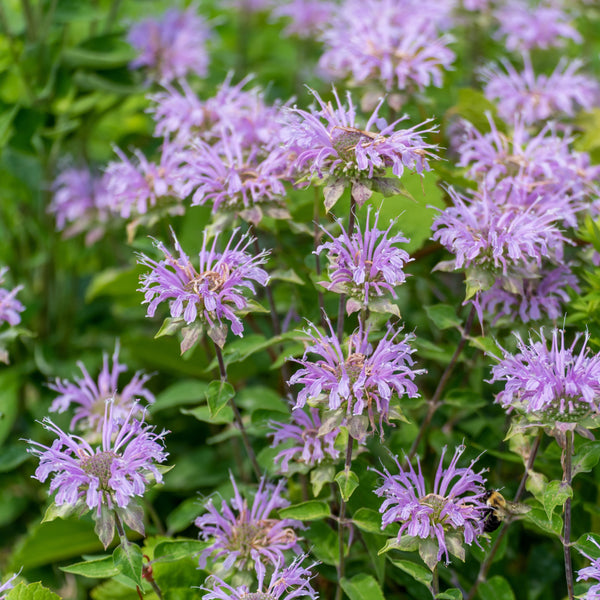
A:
x: 443, y: 316
x: 347, y: 482
x: 177, y: 549
x: 555, y: 494
x: 218, y: 395
x: 496, y: 588
x: 98, y: 568
x: 188, y: 391
x: 312, y: 510
x: 417, y: 572
x: 129, y: 560
x: 362, y: 587
x: 367, y: 519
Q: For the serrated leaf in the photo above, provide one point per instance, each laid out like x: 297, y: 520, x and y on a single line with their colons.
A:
x: 178, y: 548
x: 218, y: 395
x: 320, y: 476
x: 555, y: 494
x: 362, y: 587
x: 367, y: 519
x: 417, y: 572
x: 33, y: 591
x: 443, y: 316
x: 129, y: 560
x: 496, y: 588
x: 347, y: 482
x: 539, y: 518
x: 312, y: 510
x: 202, y: 413
x: 97, y: 568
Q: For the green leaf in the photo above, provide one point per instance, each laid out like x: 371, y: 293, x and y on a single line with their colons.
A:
x: 586, y: 458
x: 496, y: 588
x: 323, y: 542
x: 367, y: 519
x: 362, y: 587
x: 33, y: 591
x: 321, y: 476
x: 428, y: 551
x: 312, y: 510
x: 556, y: 494
x: 539, y: 519
x: 188, y: 391
x: 11, y: 457
x: 97, y: 568
x: 417, y: 572
x: 288, y: 275
x: 115, y: 282
x: 472, y: 105
x: 183, y: 515
x: 129, y: 561
x: 443, y: 316
x: 55, y: 511
x: 178, y: 548
x: 347, y: 482
x: 202, y: 413
x: 218, y: 395
x: 9, y: 402
x: 170, y: 326
x: 450, y: 594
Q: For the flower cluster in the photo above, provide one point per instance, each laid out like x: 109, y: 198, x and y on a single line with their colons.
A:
x: 539, y: 98
x: 308, y: 447
x: 171, y: 46
x: 558, y: 383
x: 80, y: 203
x: 330, y: 142
x: 306, y: 18
x: 286, y: 583
x: 591, y: 572
x: 105, y: 477
x: 90, y: 396
x: 451, y: 514
x: 10, y: 307
x: 247, y: 536
x: 545, y: 26
x: 394, y: 45
x: 358, y: 376
x: 365, y: 266
x: 211, y: 294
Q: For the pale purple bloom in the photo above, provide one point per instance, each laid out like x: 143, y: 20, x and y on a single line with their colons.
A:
x: 455, y: 503
x: 357, y: 376
x: 559, y: 380
x: 330, y: 141
x: 525, y: 27
x: 10, y: 307
x: 172, y: 45
x: 480, y: 231
x: 365, y: 265
x: 539, y: 98
x: 89, y: 396
x: 135, y: 189
x: 591, y: 572
x: 286, y: 583
x: 248, y: 535
x: 236, y: 180
x: 211, y: 294
x: 8, y: 585
x: 306, y: 17
x: 530, y: 297
x: 308, y: 447
x: 395, y: 45
x: 108, y: 475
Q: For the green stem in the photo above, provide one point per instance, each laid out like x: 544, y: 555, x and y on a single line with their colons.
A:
x: 435, y: 581
x: 567, y: 478
x: 342, y: 304
x: 487, y: 563
x: 342, y: 522
x: 238, y: 416
x: 317, y: 242
x: 435, y: 401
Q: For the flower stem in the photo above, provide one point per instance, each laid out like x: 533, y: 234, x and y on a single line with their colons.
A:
x: 567, y: 478
x: 342, y: 304
x: 238, y: 416
x: 435, y: 582
x: 487, y: 563
x: 435, y: 401
x: 342, y: 521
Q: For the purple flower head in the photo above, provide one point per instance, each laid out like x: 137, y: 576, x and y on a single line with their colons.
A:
x: 365, y: 266
x: 8, y: 585
x: 307, y: 446
x: 171, y: 46
x: 212, y: 293
x: 454, y: 508
x: 539, y: 98
x: 107, y: 476
x: 10, y: 307
x: 233, y: 108
x: 135, y: 189
x: 243, y: 182
x: 557, y: 382
x: 286, y: 583
x: 357, y: 376
x: 306, y: 17
x: 480, y: 232
x: 329, y: 141
x: 394, y: 44
x: 80, y: 201
x: 530, y: 297
x: 90, y: 396
x: 247, y: 536
x: 545, y: 26
x: 591, y: 572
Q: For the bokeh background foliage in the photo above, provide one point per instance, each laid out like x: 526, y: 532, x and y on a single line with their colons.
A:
x: 66, y: 90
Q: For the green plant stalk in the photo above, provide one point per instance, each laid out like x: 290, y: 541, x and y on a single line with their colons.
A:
x: 342, y: 304
x: 435, y: 581
x: 238, y: 416
x: 342, y: 522
x: 566, y: 539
